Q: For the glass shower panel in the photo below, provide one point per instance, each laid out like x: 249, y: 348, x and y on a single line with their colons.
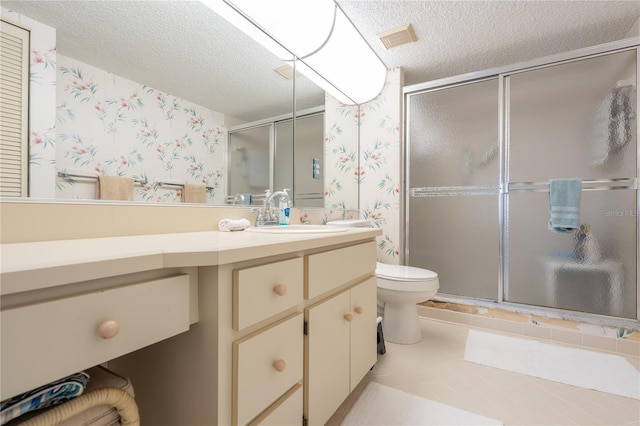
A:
x: 453, y: 171
x: 576, y: 119
x: 453, y: 136
x: 590, y: 270
x: 249, y: 160
x: 457, y: 237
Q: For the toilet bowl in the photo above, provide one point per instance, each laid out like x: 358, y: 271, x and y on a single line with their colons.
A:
x: 400, y: 288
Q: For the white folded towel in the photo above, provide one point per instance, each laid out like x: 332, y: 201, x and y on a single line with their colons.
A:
x: 226, y: 225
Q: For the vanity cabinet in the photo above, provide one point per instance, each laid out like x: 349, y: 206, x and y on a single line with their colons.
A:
x: 49, y: 338
x: 339, y: 333
x: 208, y: 326
x: 247, y: 359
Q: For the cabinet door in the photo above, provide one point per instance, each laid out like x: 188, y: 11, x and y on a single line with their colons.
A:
x: 327, y: 348
x: 363, y: 330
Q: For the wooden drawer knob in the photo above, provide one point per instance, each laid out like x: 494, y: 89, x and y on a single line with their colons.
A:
x: 280, y: 289
x: 358, y: 310
x: 348, y: 317
x: 279, y: 365
x: 108, y: 329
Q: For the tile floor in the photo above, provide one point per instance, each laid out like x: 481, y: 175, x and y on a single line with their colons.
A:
x: 435, y: 369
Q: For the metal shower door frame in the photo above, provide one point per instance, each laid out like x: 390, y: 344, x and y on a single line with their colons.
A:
x: 503, y: 74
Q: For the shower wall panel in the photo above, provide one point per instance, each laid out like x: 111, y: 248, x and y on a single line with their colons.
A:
x: 457, y: 237
x: 574, y: 120
x: 593, y: 270
x: 453, y: 159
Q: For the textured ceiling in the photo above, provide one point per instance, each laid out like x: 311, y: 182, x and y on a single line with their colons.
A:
x: 185, y: 49
x: 456, y: 37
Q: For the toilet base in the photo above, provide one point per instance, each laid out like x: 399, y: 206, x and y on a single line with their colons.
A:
x: 400, y: 323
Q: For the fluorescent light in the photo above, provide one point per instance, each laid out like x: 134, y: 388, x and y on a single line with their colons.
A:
x: 302, y: 26
x: 334, y: 54
x: 312, y: 75
x: 348, y: 62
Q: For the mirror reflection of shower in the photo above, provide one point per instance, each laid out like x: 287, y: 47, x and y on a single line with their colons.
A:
x: 267, y: 156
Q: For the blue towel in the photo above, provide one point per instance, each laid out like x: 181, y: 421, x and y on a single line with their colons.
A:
x: 50, y: 394
x: 564, y: 205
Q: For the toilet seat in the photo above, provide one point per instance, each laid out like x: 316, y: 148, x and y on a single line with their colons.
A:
x: 405, y: 278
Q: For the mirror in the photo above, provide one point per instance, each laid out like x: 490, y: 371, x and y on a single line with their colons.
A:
x: 148, y: 90
x: 340, y: 157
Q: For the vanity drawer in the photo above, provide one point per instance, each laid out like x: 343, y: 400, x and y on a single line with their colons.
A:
x: 46, y: 341
x: 334, y: 268
x: 286, y: 412
x: 265, y: 366
x: 262, y: 291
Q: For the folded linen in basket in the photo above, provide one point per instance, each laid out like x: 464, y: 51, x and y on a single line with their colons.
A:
x: 233, y: 224
x: 50, y: 394
x: 564, y: 205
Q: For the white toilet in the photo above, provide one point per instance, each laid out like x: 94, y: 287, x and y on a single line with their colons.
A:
x: 400, y: 288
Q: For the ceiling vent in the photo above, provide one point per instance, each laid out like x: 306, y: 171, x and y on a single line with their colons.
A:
x: 398, y: 36
x: 287, y: 72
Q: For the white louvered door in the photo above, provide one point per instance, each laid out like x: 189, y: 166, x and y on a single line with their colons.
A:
x: 14, y: 83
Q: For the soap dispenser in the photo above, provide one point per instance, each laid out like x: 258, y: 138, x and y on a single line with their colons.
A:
x: 284, y: 209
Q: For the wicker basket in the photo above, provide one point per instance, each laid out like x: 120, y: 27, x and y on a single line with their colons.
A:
x: 107, y: 400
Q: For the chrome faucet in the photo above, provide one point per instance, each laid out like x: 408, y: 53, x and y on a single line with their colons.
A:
x: 268, y: 215
x: 273, y: 195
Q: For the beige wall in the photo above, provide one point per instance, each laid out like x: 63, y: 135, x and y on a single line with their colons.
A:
x: 27, y: 221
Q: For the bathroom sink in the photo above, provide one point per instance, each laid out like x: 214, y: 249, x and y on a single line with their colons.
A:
x: 297, y: 229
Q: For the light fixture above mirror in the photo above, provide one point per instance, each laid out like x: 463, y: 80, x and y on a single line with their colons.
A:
x: 332, y: 53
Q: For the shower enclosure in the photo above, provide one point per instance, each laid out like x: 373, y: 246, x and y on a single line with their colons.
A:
x: 480, y: 151
x: 264, y: 156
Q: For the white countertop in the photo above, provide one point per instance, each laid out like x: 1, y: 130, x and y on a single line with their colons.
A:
x: 37, y: 265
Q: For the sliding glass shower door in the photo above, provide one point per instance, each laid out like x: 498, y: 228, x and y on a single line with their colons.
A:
x: 479, y: 158
x: 573, y: 120
x: 453, y: 165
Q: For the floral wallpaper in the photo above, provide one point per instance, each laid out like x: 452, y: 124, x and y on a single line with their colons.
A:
x: 86, y: 121
x: 379, y: 172
x: 108, y: 125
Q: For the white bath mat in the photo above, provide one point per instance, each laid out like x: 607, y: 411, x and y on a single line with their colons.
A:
x: 578, y: 367
x: 382, y: 405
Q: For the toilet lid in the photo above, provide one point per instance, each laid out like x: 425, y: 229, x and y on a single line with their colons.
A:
x: 404, y: 273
